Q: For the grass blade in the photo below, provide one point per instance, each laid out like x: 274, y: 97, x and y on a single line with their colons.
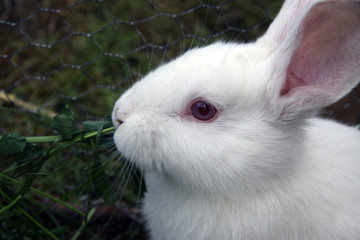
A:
x: 11, y: 204
x: 83, y: 224
x: 45, y: 195
x: 48, y: 232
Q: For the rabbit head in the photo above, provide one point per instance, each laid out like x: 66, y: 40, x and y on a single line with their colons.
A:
x: 229, y: 116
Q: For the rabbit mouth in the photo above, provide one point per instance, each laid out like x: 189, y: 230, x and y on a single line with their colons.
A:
x: 138, y: 144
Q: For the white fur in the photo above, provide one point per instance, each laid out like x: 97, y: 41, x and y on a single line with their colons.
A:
x: 266, y: 167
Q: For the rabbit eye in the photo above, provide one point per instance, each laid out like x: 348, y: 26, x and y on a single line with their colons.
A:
x: 203, y: 111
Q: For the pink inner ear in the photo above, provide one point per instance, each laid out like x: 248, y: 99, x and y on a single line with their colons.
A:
x: 292, y: 81
x: 327, y: 53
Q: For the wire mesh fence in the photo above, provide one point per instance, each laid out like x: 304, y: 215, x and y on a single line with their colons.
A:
x: 84, y: 53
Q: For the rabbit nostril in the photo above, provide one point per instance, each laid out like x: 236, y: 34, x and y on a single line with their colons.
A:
x: 119, y: 121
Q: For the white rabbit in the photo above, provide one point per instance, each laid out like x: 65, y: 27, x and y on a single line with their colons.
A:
x: 228, y: 137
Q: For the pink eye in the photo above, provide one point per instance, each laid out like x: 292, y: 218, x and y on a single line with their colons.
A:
x: 203, y: 111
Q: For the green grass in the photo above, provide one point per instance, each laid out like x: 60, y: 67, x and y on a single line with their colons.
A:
x: 42, y: 178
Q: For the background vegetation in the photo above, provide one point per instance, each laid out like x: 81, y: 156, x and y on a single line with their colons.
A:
x: 72, y: 59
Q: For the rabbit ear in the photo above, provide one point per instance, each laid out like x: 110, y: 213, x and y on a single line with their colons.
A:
x: 317, y: 45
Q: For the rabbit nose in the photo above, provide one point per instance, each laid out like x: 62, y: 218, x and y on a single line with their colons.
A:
x: 117, y: 121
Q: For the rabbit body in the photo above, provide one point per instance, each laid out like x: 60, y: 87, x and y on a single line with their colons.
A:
x: 263, y: 166
x: 318, y: 200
